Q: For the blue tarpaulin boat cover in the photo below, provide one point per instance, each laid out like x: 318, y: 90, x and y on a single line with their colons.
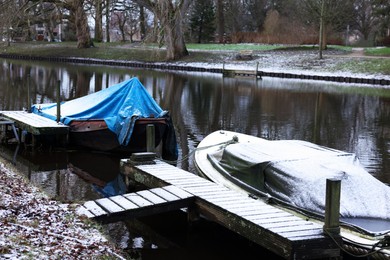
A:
x: 119, y: 105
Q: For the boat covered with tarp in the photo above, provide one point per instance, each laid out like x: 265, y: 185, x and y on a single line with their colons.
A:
x: 115, y: 119
x: 292, y: 174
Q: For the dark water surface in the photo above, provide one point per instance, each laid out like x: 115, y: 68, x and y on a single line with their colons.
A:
x: 353, y: 118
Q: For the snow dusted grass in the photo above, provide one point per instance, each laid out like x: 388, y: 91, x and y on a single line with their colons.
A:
x: 365, y: 66
x: 338, y: 60
x: 34, y: 227
x: 232, y: 47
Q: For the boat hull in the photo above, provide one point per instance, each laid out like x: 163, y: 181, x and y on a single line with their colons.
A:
x: 95, y: 135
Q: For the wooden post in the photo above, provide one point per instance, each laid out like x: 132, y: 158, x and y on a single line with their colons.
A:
x: 58, y: 102
x: 150, y: 138
x: 257, y: 70
x: 332, y: 207
x: 28, y: 94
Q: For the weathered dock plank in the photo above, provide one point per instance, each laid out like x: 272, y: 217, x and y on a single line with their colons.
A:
x: 138, y: 204
x: 178, y: 192
x: 109, y: 205
x: 123, y: 202
x: 81, y: 210
x: 166, y: 195
x: 147, y: 194
x: 35, y: 124
x: 94, y: 208
x: 140, y: 201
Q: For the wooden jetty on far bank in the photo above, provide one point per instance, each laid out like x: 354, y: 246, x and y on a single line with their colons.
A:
x: 236, y: 73
x: 172, y: 188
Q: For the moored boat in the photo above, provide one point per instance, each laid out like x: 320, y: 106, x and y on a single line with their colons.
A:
x: 292, y: 174
x: 115, y: 119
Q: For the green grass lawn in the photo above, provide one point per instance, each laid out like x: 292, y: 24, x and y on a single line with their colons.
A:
x: 380, y: 51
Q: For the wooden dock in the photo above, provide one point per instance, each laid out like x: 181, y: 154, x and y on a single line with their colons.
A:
x: 236, y: 73
x: 277, y: 230
x: 34, y: 124
x: 242, y: 73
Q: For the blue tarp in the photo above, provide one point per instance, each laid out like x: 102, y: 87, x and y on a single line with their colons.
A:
x: 119, y: 105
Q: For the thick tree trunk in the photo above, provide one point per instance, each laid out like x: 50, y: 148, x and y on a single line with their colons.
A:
x: 171, y: 19
x: 174, y: 40
x: 82, y: 28
x: 170, y: 14
x: 98, y: 21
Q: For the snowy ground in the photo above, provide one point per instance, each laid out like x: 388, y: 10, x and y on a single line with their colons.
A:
x: 296, y: 62
x: 35, y: 227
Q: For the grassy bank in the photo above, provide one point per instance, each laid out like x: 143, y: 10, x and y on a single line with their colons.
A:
x: 373, y: 61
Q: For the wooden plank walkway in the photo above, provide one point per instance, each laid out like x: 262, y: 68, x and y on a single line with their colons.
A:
x: 34, y: 124
x: 273, y: 228
x: 138, y: 204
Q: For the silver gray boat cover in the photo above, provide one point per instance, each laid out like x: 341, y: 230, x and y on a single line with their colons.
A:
x: 295, y: 172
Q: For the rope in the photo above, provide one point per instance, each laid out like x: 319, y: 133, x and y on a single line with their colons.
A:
x: 361, y: 252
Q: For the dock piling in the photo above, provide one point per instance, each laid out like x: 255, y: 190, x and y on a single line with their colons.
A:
x: 332, y: 207
x: 150, y: 138
x: 58, y: 101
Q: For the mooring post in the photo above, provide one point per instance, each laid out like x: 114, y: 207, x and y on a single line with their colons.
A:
x: 150, y: 138
x: 28, y: 94
x: 332, y: 207
x: 58, y: 101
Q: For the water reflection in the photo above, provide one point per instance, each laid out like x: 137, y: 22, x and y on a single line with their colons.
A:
x: 350, y: 118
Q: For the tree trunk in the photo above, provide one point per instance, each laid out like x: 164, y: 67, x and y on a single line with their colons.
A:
x: 108, y: 21
x: 171, y: 18
x: 82, y: 28
x: 142, y: 22
x: 170, y: 14
x: 321, y: 33
x: 98, y: 21
x: 220, y: 21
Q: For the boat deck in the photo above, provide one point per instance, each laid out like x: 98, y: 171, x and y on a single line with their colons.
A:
x: 34, y: 124
x: 273, y: 228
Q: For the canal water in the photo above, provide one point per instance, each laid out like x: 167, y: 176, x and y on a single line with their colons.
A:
x: 353, y: 118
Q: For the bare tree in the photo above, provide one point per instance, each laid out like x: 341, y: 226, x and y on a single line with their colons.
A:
x: 7, y: 20
x: 220, y: 21
x: 126, y: 17
x: 170, y: 14
x: 81, y: 20
x: 365, y: 19
x: 330, y: 14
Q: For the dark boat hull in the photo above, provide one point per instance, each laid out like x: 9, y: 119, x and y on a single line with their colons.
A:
x: 94, y: 134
